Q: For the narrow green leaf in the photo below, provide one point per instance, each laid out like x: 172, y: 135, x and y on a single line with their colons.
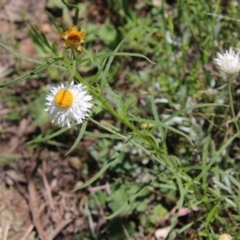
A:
x: 159, y: 124
x: 80, y: 135
x: 69, y: 5
x: 105, y: 167
x: 89, y: 55
x: 103, y: 135
x: 179, y: 112
x: 45, y: 40
x: 27, y: 75
x: 109, y: 63
x: 216, y: 156
x: 110, y: 60
x: 40, y: 37
x: 229, y: 176
x: 211, y: 214
x: 97, y: 175
x: 53, y: 22
x: 73, y: 70
x: 156, y: 117
x: 44, y: 139
x: 76, y: 16
x: 131, y: 199
x: 80, y: 61
x: 35, y: 31
x: 116, y: 213
x: 18, y: 55
x: 205, y: 153
x: 54, y: 48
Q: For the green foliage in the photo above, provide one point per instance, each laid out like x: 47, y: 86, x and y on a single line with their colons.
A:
x: 35, y: 110
x: 108, y: 34
x: 121, y: 192
x: 156, y: 215
x: 164, y: 134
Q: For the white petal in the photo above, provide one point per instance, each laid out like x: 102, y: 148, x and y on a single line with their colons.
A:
x: 229, y: 62
x: 75, y: 113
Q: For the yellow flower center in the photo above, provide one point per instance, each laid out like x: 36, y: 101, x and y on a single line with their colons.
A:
x: 64, y: 98
x: 74, y: 38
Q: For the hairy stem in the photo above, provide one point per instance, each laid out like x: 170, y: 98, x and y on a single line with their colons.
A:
x: 231, y: 102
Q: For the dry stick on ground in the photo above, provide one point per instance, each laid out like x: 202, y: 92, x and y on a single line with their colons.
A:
x: 63, y: 223
x: 48, y: 190
x: 6, y: 229
x: 34, y: 207
x: 27, y: 233
x: 33, y: 196
x: 60, y: 227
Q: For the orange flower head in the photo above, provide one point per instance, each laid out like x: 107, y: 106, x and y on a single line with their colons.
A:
x: 73, y: 38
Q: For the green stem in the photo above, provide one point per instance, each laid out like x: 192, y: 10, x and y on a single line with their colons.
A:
x: 231, y: 102
x: 118, y: 116
x: 127, y: 139
x: 108, y: 107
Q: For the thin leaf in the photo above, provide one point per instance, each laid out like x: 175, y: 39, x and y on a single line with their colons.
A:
x: 216, y: 156
x: 39, y: 36
x: 160, y: 124
x: 73, y: 71
x: 205, y: 153
x: 179, y: 112
x: 27, y: 75
x: 80, y: 135
x: 53, y: 21
x: 76, y: 16
x: 54, y: 48
x: 45, y: 40
x: 80, y: 61
x: 96, y: 176
x: 18, y: 55
x: 89, y: 55
x: 229, y: 176
x: 44, y: 139
x: 69, y: 4
x: 105, y: 167
x: 211, y: 214
x: 156, y: 117
x: 103, y: 135
x: 116, y: 213
x: 131, y: 199
x: 110, y: 60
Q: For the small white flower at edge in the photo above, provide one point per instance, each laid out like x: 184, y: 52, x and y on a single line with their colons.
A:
x: 229, y: 62
x: 68, y: 103
x: 225, y: 237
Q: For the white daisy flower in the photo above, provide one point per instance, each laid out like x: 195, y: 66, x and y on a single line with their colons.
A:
x: 229, y: 62
x: 68, y: 103
x: 225, y: 237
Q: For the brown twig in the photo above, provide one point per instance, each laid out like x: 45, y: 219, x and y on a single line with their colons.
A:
x: 48, y: 190
x: 34, y: 208
x: 6, y: 229
x: 33, y: 197
x: 27, y: 233
x: 61, y: 226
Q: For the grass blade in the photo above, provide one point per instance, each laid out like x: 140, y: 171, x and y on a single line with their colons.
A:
x: 29, y: 74
x: 80, y: 135
x: 44, y: 139
x: 18, y: 55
